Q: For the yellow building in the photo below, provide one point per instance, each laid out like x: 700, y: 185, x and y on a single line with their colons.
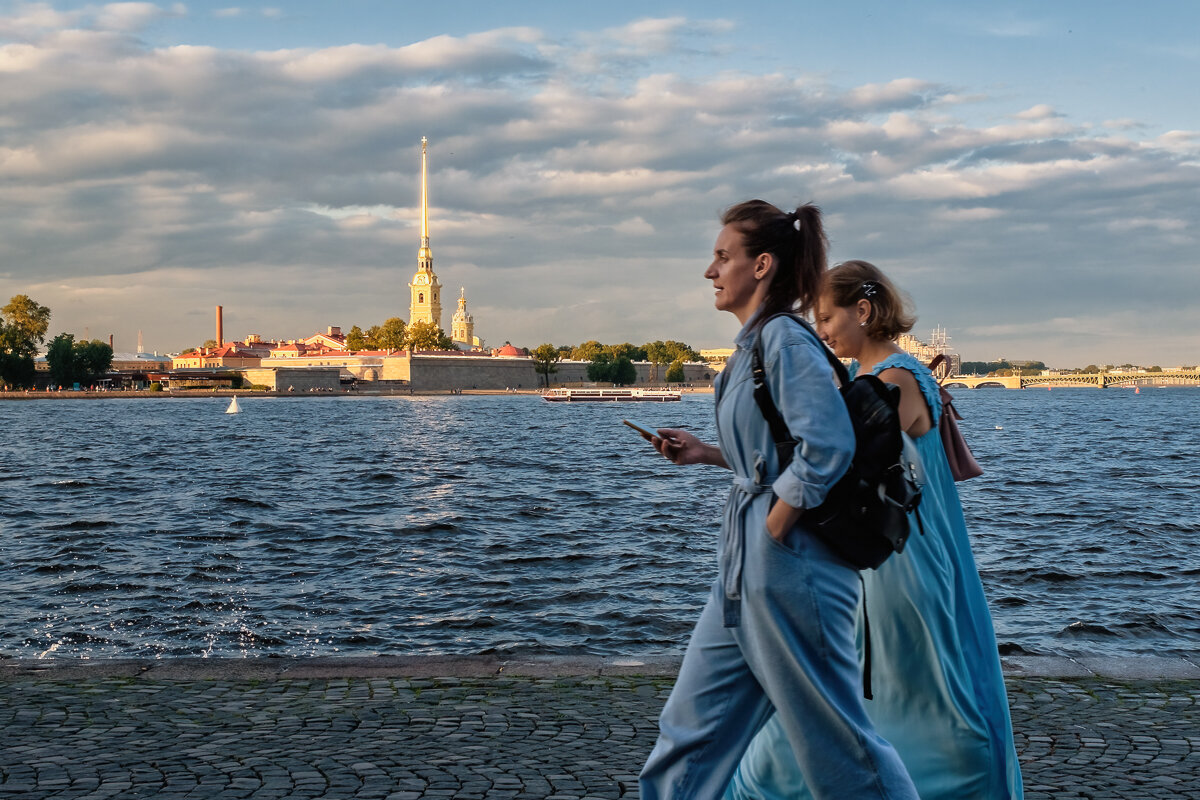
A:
x: 425, y: 290
x: 462, y: 326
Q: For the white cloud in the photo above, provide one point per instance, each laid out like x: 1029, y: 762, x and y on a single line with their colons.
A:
x: 571, y: 206
x: 127, y: 16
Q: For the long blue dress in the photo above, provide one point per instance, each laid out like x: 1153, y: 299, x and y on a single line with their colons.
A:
x: 939, y: 694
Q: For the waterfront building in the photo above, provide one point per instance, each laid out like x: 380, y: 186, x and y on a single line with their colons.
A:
x: 227, y: 355
x: 939, y: 344
x: 331, y: 339
x: 462, y: 327
x: 425, y: 289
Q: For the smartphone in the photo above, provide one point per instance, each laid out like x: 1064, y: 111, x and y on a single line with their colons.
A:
x: 642, y: 429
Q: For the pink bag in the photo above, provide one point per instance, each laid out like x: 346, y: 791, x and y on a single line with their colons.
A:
x: 962, y: 463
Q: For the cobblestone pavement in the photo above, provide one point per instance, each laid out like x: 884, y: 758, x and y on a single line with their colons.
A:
x: 497, y: 737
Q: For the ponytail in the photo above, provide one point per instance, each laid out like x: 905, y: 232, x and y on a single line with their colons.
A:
x: 798, y: 244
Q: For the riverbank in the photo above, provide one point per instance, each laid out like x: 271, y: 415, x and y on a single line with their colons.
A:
x: 249, y: 393
x: 551, y: 728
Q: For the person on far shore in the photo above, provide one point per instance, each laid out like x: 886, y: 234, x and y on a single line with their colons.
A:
x: 938, y: 690
x: 777, y: 634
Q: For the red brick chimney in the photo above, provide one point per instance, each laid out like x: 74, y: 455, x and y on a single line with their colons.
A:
x: 220, y: 334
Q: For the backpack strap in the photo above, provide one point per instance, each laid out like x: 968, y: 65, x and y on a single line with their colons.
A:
x: 785, y: 445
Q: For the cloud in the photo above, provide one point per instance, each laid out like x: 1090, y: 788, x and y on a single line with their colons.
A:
x: 283, y: 185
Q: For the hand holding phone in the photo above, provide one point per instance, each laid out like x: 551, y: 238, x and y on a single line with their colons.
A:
x: 647, y: 432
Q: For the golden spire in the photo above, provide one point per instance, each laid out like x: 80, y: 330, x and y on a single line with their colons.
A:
x: 424, y: 254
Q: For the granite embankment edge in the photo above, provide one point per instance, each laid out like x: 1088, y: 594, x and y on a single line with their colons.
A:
x: 334, y: 667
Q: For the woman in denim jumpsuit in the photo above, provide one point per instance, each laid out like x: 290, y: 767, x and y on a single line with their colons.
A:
x: 777, y: 634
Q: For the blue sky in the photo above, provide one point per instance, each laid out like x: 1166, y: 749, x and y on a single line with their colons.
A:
x: 1027, y: 171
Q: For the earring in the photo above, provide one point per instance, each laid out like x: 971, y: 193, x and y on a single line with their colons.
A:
x: 862, y: 324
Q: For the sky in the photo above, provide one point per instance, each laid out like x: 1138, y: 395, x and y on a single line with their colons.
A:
x: 1028, y: 172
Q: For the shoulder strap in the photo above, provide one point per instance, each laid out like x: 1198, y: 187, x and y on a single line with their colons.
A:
x: 784, y: 443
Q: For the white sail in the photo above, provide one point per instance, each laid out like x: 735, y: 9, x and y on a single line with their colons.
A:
x: 234, y: 408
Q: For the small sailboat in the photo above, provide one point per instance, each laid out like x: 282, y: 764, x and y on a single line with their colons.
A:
x: 234, y: 408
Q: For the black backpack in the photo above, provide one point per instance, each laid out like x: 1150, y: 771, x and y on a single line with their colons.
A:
x: 864, y: 518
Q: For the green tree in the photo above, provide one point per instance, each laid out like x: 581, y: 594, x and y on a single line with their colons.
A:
x: 1154, y: 368
x: 23, y: 324
x: 424, y: 335
x: 564, y: 350
x: 675, y: 372
x: 588, y: 351
x: 60, y: 357
x: 92, y: 359
x: 623, y: 372
x: 601, y: 369
x: 626, y: 350
x: 373, y: 335
x: 209, y: 343
x: 393, y: 334
x: 679, y: 351
x: 545, y: 356
x: 657, y: 355
x: 356, y: 339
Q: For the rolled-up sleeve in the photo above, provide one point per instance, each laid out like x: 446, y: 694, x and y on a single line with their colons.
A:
x: 802, y: 386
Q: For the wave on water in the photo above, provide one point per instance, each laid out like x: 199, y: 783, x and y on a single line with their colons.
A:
x: 434, y: 527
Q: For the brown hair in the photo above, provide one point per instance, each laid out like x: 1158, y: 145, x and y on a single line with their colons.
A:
x: 796, y: 240
x: 891, y: 309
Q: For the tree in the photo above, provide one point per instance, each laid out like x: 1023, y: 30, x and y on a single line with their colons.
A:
x: 60, y: 357
x: 356, y: 339
x: 679, y: 351
x: 393, y: 334
x: 626, y: 350
x: 601, y: 369
x: 623, y: 372
x: 564, y: 350
x: 657, y: 355
x: 588, y: 351
x: 373, y: 335
x: 23, y: 326
x: 92, y: 359
x: 74, y: 362
x: 544, y: 359
x: 209, y: 343
x: 424, y: 335
x: 675, y: 373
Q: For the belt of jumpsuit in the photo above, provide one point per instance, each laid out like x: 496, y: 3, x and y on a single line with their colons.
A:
x: 733, y: 548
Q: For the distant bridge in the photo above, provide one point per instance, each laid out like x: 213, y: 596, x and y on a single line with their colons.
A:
x: 1094, y: 380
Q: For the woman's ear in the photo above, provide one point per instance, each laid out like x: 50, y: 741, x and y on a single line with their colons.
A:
x: 762, y: 265
x: 863, y: 311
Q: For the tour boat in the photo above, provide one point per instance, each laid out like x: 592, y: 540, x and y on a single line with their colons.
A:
x: 610, y: 395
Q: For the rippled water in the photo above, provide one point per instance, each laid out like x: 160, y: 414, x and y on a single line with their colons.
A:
x: 503, y: 524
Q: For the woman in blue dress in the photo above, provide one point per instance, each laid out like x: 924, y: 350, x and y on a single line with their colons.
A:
x: 939, y: 694
x: 777, y: 634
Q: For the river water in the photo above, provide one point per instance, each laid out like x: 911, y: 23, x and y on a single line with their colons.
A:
x: 507, y: 525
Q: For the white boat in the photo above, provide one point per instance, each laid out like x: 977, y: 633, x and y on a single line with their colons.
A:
x: 611, y: 395
x: 234, y: 408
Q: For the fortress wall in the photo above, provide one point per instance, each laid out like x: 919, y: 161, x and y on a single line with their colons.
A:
x: 436, y: 373
x: 298, y: 379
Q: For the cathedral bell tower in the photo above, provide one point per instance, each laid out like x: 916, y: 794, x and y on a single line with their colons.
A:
x: 426, y: 291
x: 463, y: 324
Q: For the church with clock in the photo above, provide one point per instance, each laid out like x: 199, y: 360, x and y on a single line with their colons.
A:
x: 425, y: 289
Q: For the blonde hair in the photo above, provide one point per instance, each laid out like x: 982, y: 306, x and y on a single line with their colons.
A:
x: 891, y: 310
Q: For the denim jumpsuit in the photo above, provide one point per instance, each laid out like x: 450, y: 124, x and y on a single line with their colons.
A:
x: 778, y: 631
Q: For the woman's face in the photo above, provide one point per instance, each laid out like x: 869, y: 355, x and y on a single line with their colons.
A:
x: 842, y: 326
x: 739, y: 280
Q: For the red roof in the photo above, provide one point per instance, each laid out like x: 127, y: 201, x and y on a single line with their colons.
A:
x: 508, y: 350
